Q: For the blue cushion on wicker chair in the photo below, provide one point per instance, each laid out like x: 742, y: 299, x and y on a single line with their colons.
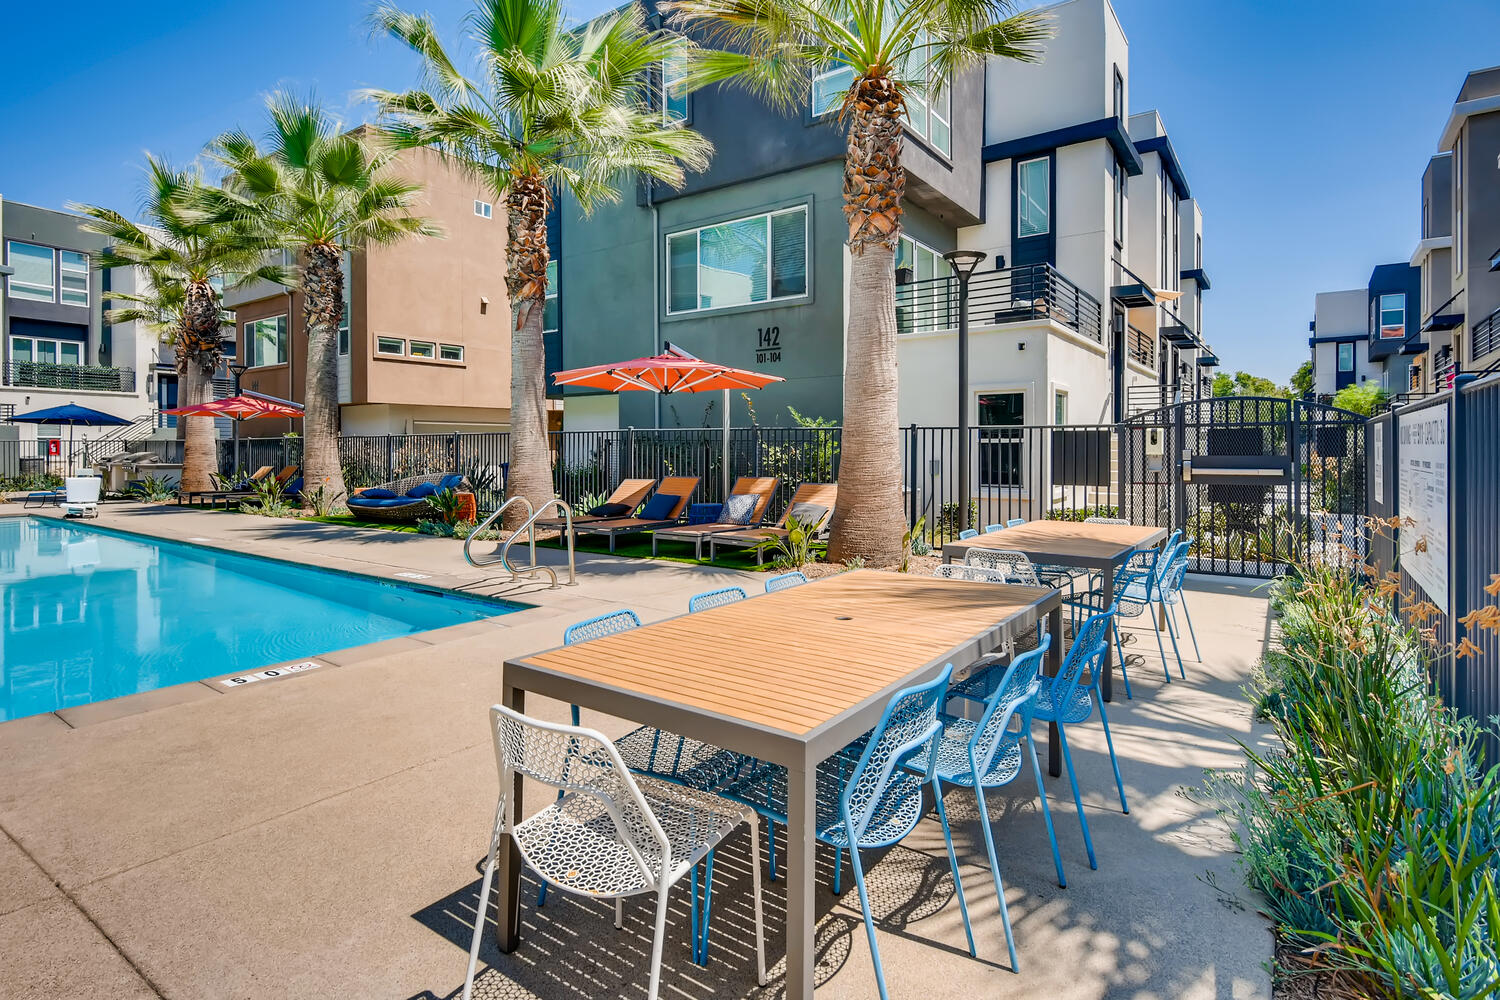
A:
x: 421, y: 490
x: 739, y: 509
x: 451, y: 481
x: 376, y: 493
x: 659, y: 507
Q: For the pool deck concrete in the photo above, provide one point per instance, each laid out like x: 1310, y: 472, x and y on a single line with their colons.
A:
x: 320, y: 834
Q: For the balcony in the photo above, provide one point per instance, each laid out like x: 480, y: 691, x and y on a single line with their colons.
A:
x: 1486, y: 337
x: 1141, y: 347
x: 85, y: 378
x: 1006, y: 295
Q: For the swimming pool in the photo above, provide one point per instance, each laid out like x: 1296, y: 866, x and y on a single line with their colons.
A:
x: 91, y: 614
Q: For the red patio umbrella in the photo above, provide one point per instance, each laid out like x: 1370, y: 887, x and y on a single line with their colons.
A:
x: 242, y: 407
x: 674, y: 370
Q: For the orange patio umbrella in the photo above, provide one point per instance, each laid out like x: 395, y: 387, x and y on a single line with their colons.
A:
x: 247, y: 406
x: 673, y: 370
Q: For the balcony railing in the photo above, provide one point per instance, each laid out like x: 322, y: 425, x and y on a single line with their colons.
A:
x: 1141, y: 398
x: 91, y: 378
x: 1443, y: 370
x: 1007, y: 295
x: 1486, y: 336
x: 1142, y: 348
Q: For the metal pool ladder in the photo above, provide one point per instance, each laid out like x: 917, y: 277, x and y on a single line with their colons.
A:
x: 501, y: 554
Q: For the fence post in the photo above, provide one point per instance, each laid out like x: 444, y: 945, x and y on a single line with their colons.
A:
x: 911, y: 474
x: 390, y: 458
x: 629, y: 453
x: 1458, y: 562
x: 453, y: 465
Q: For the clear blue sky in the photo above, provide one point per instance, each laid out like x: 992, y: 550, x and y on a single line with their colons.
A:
x: 1303, y: 127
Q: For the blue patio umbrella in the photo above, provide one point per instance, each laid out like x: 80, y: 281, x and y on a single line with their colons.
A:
x: 74, y: 416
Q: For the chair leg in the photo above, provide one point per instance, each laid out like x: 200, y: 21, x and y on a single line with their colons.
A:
x: 753, y: 822
x: 657, y: 941
x: 1182, y: 599
x: 989, y: 845
x: 958, y: 882
x: 771, y: 850
x: 701, y: 907
x: 1083, y: 821
x: 619, y: 913
x: 1155, y: 627
x: 1120, y: 655
x: 1172, y: 631
x: 838, y: 871
x: 1041, y: 792
x: 1113, y: 762
x: 864, y: 904
x: 482, y: 907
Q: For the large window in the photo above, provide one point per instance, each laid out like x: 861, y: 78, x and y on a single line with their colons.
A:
x: 265, y: 341
x: 1034, y: 197
x: 1346, y: 357
x: 37, y: 350
x: 759, y: 259
x: 75, y: 277
x: 549, y: 310
x: 923, y: 305
x: 674, y: 101
x: 829, y: 88
x: 1393, y: 316
x: 33, y: 277
x: 929, y: 114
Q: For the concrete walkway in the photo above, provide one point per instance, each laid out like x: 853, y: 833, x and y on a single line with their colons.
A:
x: 320, y: 835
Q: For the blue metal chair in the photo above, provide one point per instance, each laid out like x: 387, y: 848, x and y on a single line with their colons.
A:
x: 866, y: 799
x: 1175, y: 595
x: 989, y: 528
x: 1015, y: 522
x: 1167, y: 592
x: 597, y: 628
x: 968, y: 533
x: 1068, y: 699
x: 715, y: 598
x: 785, y: 580
x: 986, y: 754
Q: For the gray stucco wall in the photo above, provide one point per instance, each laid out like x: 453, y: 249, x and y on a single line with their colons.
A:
x: 1482, y: 215
x: 59, y: 230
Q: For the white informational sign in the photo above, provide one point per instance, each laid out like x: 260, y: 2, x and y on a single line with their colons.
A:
x: 1377, y: 463
x: 1422, y: 444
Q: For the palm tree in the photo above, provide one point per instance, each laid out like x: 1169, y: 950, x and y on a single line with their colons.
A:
x: 553, y: 108
x: 317, y: 192
x: 775, y: 48
x: 186, y: 258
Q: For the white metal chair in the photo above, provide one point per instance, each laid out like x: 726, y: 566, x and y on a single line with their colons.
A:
x: 610, y: 834
x: 1105, y: 520
x: 992, y: 566
x: 1016, y: 566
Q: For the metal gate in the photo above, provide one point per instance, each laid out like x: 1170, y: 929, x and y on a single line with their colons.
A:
x: 1256, y: 482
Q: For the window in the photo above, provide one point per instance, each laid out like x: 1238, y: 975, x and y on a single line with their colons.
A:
x: 451, y: 352
x: 759, y: 259
x: 423, y: 349
x: 927, y: 115
x: 1119, y: 95
x: 549, y: 308
x: 483, y: 209
x: 48, y: 352
x: 1393, y: 316
x: 390, y: 345
x: 1458, y: 206
x: 75, y: 277
x: 1033, y: 197
x: 1346, y: 357
x: 1175, y: 274
x: 33, y: 279
x: 344, y: 330
x: 1198, y: 251
x: 999, y: 447
x: 674, y: 100
x: 1161, y: 176
x: 924, y: 305
x: 1118, y: 172
x: 265, y: 341
x: 1059, y: 407
x: 829, y: 88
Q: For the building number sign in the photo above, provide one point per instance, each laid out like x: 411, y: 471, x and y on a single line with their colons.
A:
x: 767, y: 344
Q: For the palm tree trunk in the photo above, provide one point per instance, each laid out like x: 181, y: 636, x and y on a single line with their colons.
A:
x: 323, y: 306
x: 867, y: 519
x: 201, y: 346
x: 527, y: 203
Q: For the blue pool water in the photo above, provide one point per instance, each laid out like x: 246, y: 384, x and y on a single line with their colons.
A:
x: 91, y: 614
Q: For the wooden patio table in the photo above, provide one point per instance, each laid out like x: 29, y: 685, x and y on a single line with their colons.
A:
x: 1102, y: 547
x: 790, y: 678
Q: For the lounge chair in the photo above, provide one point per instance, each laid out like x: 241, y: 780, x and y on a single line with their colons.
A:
x: 82, y: 496
x: 41, y: 498
x: 822, y: 495
x: 403, y: 501
x: 243, y: 486
x: 657, y: 513
x: 630, y: 494
x: 762, y: 488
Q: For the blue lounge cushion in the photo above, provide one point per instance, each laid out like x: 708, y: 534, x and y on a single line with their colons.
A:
x: 383, y: 502
x: 739, y: 509
x: 451, y: 481
x: 421, y: 490
x: 294, y: 487
x: 659, y: 507
x: 376, y: 494
x: 610, y: 510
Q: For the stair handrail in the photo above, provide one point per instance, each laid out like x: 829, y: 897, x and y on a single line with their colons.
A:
x: 482, y: 525
x: 567, y: 513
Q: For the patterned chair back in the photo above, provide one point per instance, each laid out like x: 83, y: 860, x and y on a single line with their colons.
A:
x: 715, y: 598
x: 1017, y: 566
x: 964, y: 571
x: 1015, y: 695
x: 968, y: 533
x: 1086, y: 654
x: 597, y: 628
x: 785, y: 580
x: 587, y: 765
x: 910, y: 721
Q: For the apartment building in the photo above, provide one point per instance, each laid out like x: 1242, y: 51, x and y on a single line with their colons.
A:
x: 1361, y: 335
x: 424, y: 346
x: 746, y: 264
x: 1458, y: 255
x: 57, y: 347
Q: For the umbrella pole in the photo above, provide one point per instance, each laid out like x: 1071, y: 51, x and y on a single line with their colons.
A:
x: 726, y: 444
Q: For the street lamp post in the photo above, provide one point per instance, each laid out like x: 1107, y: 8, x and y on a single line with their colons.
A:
x: 963, y: 263
x: 237, y: 370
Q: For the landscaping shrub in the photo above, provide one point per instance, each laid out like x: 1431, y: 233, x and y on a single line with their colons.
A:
x: 1081, y: 513
x: 1372, y: 829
